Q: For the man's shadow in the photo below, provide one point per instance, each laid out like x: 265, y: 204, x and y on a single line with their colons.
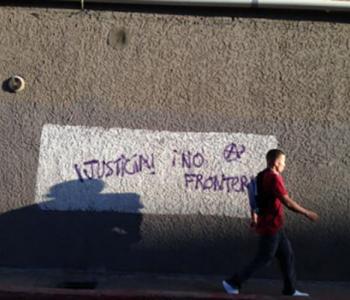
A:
x: 76, y: 227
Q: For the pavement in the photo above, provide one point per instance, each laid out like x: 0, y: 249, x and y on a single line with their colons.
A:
x: 57, y: 284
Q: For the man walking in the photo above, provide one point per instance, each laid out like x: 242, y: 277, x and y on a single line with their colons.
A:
x: 268, y: 220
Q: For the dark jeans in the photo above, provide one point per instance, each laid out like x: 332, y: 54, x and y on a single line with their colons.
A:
x: 271, y: 246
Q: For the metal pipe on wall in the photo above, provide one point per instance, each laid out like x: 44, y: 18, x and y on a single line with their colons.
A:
x: 327, y: 5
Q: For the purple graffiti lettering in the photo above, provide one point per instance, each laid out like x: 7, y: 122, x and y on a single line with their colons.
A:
x: 110, y: 169
x: 90, y: 163
x: 234, y: 182
x: 118, y: 166
x: 199, y: 178
x: 189, y: 160
x: 208, y: 183
x: 232, y: 152
x: 219, y: 184
x: 227, y: 180
x: 77, y: 170
x: 101, y: 169
x: 186, y: 159
x: 174, y: 159
x: 244, y: 183
x: 145, y: 161
x: 189, y: 178
x: 126, y: 163
x: 198, y: 160
x: 122, y: 166
x: 229, y: 184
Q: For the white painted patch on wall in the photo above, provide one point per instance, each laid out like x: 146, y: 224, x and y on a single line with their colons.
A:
x: 144, y: 171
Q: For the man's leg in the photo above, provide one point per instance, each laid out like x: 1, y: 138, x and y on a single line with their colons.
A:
x: 267, y: 249
x: 285, y: 256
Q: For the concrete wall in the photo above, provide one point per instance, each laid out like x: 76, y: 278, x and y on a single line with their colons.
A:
x: 268, y: 76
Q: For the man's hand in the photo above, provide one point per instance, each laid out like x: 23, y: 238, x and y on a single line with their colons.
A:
x: 253, y: 220
x: 312, y: 216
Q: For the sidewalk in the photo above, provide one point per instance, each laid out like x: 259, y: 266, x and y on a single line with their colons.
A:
x: 54, y: 284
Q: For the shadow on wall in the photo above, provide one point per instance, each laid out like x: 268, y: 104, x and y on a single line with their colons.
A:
x: 38, y: 236
x: 90, y: 240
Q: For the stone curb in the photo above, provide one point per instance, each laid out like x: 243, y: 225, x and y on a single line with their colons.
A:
x: 10, y: 292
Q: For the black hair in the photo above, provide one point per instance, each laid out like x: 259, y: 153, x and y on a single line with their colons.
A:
x: 273, y: 155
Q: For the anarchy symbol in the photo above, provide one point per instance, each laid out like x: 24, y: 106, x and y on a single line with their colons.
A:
x: 233, y: 152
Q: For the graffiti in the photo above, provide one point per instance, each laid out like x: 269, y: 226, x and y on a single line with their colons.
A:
x: 120, y: 167
x: 229, y: 184
x: 188, y: 160
x: 185, y: 159
x: 232, y: 152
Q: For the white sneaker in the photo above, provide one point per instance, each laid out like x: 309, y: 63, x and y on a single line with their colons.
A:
x: 300, y: 294
x: 230, y: 289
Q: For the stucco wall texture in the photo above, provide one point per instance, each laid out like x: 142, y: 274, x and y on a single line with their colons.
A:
x: 143, y: 70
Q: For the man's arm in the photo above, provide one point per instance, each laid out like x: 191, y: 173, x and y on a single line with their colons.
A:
x: 294, y: 206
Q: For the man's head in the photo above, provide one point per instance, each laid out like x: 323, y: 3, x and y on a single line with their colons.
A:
x: 276, y: 159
